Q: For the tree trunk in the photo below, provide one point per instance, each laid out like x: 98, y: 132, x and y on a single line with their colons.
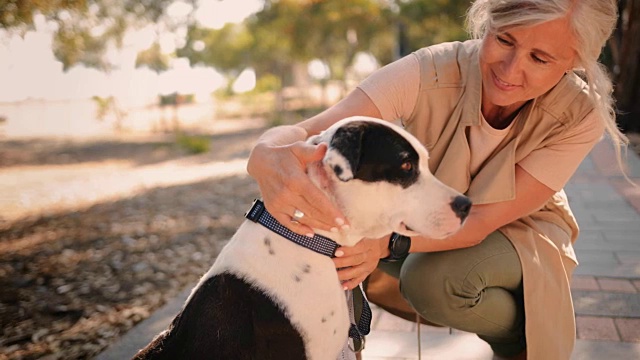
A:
x: 627, y: 90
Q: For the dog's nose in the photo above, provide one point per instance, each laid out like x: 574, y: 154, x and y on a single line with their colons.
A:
x: 461, y: 205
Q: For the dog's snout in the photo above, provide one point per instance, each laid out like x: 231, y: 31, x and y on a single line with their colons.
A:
x: 461, y: 206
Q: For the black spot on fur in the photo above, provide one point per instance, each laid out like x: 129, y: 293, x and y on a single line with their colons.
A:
x: 376, y: 152
x: 267, y: 243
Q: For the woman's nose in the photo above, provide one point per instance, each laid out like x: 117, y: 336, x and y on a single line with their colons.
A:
x: 511, y: 64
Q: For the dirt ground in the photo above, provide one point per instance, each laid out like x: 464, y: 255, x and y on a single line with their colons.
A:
x: 96, y: 235
x: 77, y: 274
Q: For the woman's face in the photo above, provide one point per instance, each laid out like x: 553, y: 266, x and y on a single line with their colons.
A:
x: 522, y: 63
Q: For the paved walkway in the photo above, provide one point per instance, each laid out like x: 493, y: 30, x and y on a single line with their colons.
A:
x: 605, y: 288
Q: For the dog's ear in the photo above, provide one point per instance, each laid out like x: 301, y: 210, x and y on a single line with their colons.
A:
x: 345, y: 147
x: 315, y: 139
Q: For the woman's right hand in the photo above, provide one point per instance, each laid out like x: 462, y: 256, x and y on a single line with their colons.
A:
x: 280, y: 171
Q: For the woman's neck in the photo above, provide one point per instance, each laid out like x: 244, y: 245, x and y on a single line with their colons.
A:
x: 500, y: 117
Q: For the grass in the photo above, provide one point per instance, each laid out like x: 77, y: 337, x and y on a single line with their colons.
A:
x: 194, y: 144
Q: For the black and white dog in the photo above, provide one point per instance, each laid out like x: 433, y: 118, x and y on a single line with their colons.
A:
x: 267, y: 297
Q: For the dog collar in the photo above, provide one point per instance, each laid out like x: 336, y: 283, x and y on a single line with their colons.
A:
x: 320, y: 244
x: 258, y: 213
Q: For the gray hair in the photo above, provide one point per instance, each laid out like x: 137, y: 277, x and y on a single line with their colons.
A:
x: 592, y: 23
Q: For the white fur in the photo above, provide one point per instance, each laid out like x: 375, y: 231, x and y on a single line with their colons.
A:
x: 307, y: 302
x: 316, y: 304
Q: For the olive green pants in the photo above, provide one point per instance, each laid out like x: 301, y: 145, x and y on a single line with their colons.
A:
x: 476, y: 289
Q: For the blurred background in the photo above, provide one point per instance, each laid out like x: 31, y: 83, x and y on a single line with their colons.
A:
x: 125, y: 128
x: 114, y: 61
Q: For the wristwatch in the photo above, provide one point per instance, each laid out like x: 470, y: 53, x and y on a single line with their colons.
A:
x: 398, y: 248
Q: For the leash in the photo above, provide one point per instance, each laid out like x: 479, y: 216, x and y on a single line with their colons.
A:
x: 322, y: 245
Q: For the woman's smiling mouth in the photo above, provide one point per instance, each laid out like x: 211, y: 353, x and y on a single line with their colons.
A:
x: 502, y: 85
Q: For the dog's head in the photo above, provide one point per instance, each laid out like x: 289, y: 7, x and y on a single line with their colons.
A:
x: 378, y: 174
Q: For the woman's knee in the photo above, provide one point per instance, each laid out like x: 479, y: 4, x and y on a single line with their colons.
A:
x: 441, y: 285
x: 432, y: 286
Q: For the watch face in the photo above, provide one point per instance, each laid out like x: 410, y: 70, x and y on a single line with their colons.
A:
x: 401, y: 245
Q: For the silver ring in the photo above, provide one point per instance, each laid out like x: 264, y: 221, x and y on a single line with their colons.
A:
x: 297, y: 215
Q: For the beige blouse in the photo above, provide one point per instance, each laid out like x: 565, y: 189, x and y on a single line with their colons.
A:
x: 436, y: 93
x: 395, y: 88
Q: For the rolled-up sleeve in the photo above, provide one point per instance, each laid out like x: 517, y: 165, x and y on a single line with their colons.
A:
x: 555, y: 163
x: 394, y: 88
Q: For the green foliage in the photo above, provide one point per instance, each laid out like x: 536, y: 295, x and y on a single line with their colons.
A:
x: 194, y: 144
x: 290, y: 31
x: 431, y: 22
x: 227, y: 49
x: 176, y: 99
x: 16, y: 13
x: 103, y: 105
x: 332, y: 30
x: 108, y: 106
x: 267, y: 83
x: 86, y: 28
x: 153, y: 58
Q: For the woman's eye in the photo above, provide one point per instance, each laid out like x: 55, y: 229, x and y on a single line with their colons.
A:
x: 503, y: 41
x: 406, y: 166
x: 538, y: 60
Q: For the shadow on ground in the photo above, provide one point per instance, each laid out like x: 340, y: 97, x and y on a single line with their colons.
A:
x: 141, y: 150
x: 73, y: 282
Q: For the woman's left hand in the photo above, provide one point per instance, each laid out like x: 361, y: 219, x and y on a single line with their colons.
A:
x: 355, y: 263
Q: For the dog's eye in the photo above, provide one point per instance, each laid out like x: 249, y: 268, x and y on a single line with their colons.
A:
x: 406, y: 166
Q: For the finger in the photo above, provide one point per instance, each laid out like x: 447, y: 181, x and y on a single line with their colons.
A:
x: 317, y: 204
x: 308, y: 153
x: 291, y: 224
x: 353, y: 283
x: 350, y: 261
x: 350, y: 278
x: 304, y: 225
x: 314, y: 217
x: 346, y: 274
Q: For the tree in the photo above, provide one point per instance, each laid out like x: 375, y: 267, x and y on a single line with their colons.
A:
x: 227, y: 49
x: 87, y: 28
x: 153, y: 58
x: 625, y: 52
x: 422, y: 23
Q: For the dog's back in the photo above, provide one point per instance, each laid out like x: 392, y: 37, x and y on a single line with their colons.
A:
x: 226, y: 319
x: 264, y: 298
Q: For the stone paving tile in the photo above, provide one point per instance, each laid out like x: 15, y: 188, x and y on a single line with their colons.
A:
x: 608, y: 304
x: 628, y: 257
x: 596, y: 328
x: 596, y: 256
x: 606, y: 246
x: 620, y: 235
x: 583, y: 282
x: 388, y: 322
x: 631, y: 193
x: 607, y: 350
x: 626, y: 271
x: 629, y: 329
x: 636, y: 283
x: 616, y: 285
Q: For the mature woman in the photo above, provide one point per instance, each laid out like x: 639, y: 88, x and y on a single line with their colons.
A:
x: 507, y: 119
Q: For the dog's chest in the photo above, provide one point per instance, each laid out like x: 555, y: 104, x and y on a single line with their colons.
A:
x: 303, y: 283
